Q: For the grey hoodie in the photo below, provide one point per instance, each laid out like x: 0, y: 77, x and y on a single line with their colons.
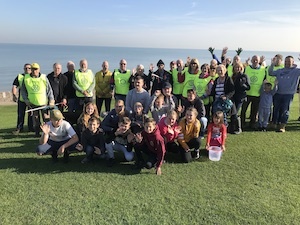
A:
x: 288, y: 79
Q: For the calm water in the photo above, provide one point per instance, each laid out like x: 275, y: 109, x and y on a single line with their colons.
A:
x: 14, y: 56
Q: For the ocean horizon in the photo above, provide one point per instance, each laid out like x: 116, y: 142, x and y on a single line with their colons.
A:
x: 14, y: 56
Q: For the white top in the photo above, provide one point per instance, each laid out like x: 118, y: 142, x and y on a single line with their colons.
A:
x: 64, y: 132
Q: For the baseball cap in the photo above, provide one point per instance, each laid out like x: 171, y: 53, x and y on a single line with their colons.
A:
x: 55, y: 114
x: 167, y: 85
x: 35, y: 66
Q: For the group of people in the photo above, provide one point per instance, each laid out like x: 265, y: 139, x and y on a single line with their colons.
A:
x: 155, y: 113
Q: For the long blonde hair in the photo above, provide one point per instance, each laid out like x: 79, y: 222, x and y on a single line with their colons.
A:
x: 84, y: 117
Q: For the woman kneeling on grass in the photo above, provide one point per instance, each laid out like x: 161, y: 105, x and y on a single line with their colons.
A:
x: 58, y: 138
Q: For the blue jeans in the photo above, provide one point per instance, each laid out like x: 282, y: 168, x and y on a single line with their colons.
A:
x: 282, y: 104
x: 263, y: 116
x: 53, y: 148
x: 114, y: 146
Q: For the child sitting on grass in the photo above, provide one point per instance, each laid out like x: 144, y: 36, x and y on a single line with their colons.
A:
x: 121, y: 142
x: 216, y: 131
x: 58, y: 138
x: 169, y: 130
x: 189, y: 138
x: 158, y: 110
x: 89, y: 110
x: 152, y: 144
x: 92, y: 140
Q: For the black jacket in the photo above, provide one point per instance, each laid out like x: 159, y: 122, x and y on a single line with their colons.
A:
x: 58, y: 85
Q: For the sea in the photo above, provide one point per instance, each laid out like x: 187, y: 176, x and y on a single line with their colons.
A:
x: 14, y: 56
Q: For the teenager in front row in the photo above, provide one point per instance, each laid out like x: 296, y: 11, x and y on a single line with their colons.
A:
x: 92, y: 140
x: 152, y: 144
x: 58, y: 138
x: 189, y: 138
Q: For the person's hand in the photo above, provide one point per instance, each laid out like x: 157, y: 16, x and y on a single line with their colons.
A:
x: 239, y: 51
x: 45, y: 128
x: 180, y: 108
x: 158, y: 171
x: 223, y: 148
x: 85, y: 93
x: 224, y: 51
x: 79, y: 147
x: 211, y: 50
x: 138, y: 137
x: 97, y: 151
x: 51, y: 103
x: 133, y: 71
x: 247, y: 61
x: 262, y: 59
x: 64, y: 102
x: 178, y: 129
x: 61, y: 150
x: 223, y: 98
x: 207, y: 147
x: 15, y: 98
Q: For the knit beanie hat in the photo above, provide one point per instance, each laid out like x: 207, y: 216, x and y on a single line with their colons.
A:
x: 160, y: 62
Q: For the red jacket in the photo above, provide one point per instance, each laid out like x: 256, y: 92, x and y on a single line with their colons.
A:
x: 164, y: 131
x: 155, y: 144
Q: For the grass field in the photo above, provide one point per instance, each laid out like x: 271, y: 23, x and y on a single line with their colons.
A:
x: 256, y: 182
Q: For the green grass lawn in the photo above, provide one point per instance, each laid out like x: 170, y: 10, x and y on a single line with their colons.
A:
x: 256, y: 182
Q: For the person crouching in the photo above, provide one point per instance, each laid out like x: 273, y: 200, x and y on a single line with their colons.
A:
x: 152, y: 144
x: 58, y: 138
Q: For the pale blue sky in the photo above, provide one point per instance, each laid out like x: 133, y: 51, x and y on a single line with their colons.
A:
x: 252, y: 25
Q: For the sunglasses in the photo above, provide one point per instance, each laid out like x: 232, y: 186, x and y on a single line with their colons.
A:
x: 122, y: 63
x: 34, y: 68
x: 27, y: 68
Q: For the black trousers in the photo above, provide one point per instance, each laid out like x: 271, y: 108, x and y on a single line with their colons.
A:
x: 140, y: 149
x: 193, y: 143
x: 21, y: 115
x: 99, y: 103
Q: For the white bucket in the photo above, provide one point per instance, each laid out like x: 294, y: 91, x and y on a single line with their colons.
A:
x: 215, y: 153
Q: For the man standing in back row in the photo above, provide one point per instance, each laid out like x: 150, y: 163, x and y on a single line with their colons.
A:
x: 288, y: 79
x: 36, y: 92
x: 17, y: 84
x: 58, y: 82
x: 120, y: 81
x: 84, y: 84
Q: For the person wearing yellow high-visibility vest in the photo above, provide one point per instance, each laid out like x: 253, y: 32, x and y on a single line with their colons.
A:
x: 84, y: 84
x: 17, y: 84
x: 256, y: 74
x: 103, y: 92
x: 188, y: 76
x: 36, y: 92
x: 120, y: 81
x: 201, y: 88
x: 177, y: 86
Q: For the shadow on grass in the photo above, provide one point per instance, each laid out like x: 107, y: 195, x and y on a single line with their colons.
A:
x: 292, y: 126
x: 22, y: 143
x: 45, y: 165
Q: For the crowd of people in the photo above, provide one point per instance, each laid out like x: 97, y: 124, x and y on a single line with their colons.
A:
x: 156, y: 112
